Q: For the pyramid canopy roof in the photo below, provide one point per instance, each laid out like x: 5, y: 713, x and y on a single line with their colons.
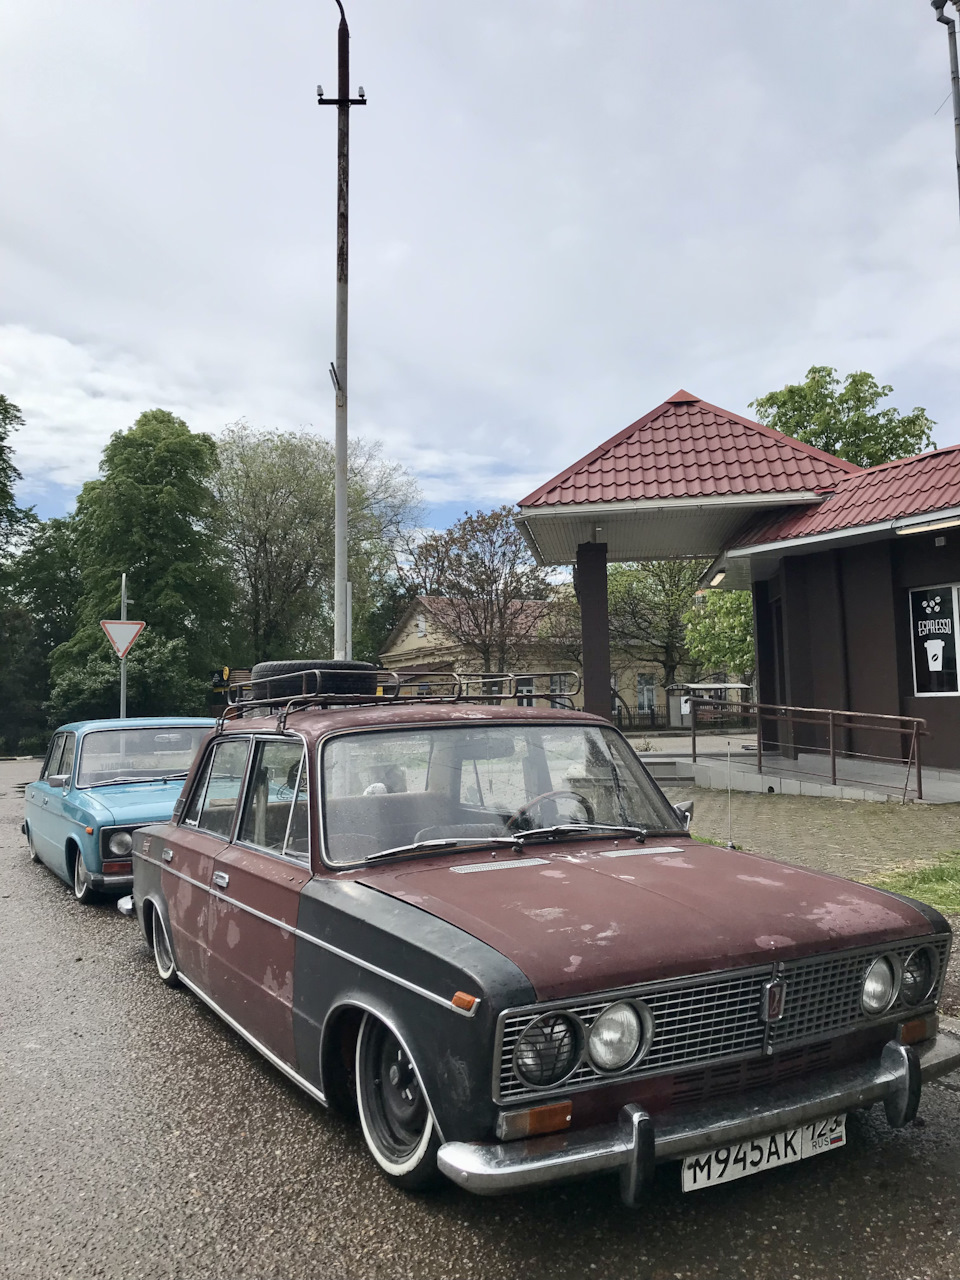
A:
x: 686, y: 448
x: 680, y: 481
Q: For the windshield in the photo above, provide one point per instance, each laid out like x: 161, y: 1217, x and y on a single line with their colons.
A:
x: 474, y: 782
x: 137, y: 754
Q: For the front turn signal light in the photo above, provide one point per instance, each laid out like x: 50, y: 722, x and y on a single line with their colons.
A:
x: 535, y: 1120
x: 918, y: 1029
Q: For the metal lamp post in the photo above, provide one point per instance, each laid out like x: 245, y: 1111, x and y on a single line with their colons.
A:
x: 951, y: 26
x: 338, y: 370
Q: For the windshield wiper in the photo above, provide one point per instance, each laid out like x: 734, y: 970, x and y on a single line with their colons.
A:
x: 113, y: 782
x: 579, y: 829
x: 422, y: 845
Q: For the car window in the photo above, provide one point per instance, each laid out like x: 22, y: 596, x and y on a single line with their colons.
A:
x: 388, y: 789
x: 222, y: 791
x: 276, y: 794
x: 138, y: 754
x: 191, y: 815
x: 54, y: 752
x: 69, y: 750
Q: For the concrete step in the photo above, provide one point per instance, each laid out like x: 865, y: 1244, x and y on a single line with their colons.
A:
x: 666, y: 770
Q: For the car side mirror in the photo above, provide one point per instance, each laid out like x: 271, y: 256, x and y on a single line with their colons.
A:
x: 684, y: 810
x: 58, y: 780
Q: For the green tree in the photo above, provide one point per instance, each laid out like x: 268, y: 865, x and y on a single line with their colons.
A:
x: 720, y: 633
x: 152, y: 514
x: 160, y: 681
x: 276, y: 496
x: 845, y: 420
x: 484, y: 569
x: 648, y: 602
x: 12, y: 518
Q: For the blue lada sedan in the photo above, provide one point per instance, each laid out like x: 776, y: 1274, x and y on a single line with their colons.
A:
x: 100, y: 781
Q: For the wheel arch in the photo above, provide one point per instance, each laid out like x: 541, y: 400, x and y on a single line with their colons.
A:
x: 341, y: 1030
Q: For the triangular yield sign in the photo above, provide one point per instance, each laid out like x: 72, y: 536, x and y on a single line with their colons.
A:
x: 122, y: 635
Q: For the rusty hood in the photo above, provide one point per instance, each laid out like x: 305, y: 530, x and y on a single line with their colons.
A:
x: 579, y: 919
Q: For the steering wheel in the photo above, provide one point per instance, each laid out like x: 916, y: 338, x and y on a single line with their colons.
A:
x: 549, y: 795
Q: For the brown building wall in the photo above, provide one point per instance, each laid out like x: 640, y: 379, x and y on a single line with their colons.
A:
x: 845, y: 624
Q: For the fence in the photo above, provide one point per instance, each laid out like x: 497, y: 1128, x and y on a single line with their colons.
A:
x: 788, y: 733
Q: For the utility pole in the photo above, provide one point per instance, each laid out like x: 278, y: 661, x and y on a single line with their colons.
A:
x: 951, y: 26
x: 338, y: 370
x: 123, y: 660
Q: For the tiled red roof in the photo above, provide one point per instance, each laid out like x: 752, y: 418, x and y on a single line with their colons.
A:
x: 686, y: 448
x: 929, y: 482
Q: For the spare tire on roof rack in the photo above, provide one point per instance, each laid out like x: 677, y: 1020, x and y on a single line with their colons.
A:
x: 293, y: 678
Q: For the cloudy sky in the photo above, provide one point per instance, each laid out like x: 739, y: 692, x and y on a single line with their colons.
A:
x: 561, y: 212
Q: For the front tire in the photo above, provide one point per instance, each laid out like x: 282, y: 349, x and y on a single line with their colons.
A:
x: 34, y: 856
x: 163, y: 952
x: 394, y: 1115
x: 82, y: 890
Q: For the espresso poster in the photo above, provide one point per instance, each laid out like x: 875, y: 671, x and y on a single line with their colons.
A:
x: 933, y: 625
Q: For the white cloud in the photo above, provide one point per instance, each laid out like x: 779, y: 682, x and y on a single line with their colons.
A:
x: 561, y: 212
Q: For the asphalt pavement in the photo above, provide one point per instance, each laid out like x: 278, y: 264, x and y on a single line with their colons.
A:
x: 140, y: 1137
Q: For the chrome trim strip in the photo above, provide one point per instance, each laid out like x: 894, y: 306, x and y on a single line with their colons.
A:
x: 270, y: 1056
x: 471, y: 867
x: 634, y: 853
x: 318, y: 942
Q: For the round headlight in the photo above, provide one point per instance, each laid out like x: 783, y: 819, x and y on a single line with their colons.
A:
x: 615, y: 1037
x: 548, y: 1050
x: 879, y: 986
x: 120, y: 843
x: 919, y: 975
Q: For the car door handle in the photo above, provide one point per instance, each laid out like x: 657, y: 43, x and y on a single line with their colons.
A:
x: 167, y: 855
x: 221, y: 879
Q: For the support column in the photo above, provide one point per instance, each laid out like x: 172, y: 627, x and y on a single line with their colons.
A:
x: 591, y: 585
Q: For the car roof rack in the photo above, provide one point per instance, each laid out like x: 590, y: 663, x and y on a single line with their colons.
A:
x: 398, y: 688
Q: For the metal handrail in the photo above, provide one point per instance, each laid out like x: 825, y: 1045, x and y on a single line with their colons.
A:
x: 833, y: 719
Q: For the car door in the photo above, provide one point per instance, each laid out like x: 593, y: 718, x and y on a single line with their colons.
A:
x: 189, y: 853
x: 256, y: 897
x: 37, y: 797
x: 59, y: 820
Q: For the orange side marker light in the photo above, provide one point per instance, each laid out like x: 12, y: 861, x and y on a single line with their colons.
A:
x: 462, y: 1001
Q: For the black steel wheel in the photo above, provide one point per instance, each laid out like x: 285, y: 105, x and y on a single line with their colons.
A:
x: 396, y: 1120
x: 163, y: 952
x: 82, y: 890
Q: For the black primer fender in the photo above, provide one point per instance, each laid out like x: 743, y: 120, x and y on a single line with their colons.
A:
x: 371, y: 945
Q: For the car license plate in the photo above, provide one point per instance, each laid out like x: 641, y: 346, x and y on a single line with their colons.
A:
x: 725, y: 1164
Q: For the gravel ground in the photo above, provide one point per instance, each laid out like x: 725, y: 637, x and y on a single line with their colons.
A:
x: 139, y: 1137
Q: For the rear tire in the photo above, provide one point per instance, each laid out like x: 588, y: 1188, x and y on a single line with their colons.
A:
x: 394, y: 1115
x: 163, y: 951
x: 34, y: 856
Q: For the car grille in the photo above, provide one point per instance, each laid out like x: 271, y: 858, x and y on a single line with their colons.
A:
x: 712, y: 1019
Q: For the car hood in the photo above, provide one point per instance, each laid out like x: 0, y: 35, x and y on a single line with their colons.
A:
x: 588, y: 918
x: 137, y: 802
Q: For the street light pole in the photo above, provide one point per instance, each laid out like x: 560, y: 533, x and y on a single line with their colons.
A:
x: 954, y: 76
x: 338, y: 370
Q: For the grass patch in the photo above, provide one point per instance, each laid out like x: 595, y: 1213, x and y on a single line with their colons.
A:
x: 938, y: 883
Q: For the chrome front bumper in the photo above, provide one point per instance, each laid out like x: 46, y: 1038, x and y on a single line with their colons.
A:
x: 635, y: 1144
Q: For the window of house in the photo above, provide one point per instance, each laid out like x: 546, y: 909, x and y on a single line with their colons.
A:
x: 646, y: 692
x: 525, y: 692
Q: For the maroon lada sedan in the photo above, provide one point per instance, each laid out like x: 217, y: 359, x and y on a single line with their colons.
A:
x: 484, y: 928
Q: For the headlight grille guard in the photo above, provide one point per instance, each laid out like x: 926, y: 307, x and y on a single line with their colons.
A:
x: 715, y: 1017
